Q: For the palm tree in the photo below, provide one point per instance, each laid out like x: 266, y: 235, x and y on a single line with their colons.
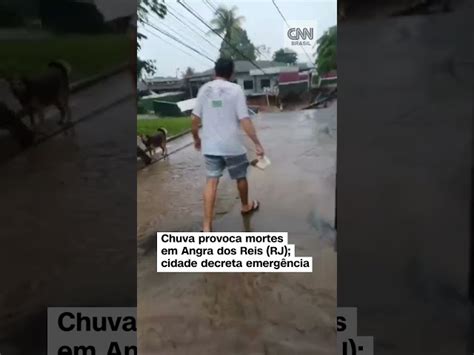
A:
x: 226, y: 22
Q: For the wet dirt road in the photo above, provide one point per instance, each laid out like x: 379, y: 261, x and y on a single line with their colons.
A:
x: 68, y: 220
x: 249, y: 314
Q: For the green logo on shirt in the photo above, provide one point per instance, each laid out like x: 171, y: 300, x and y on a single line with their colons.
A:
x: 216, y: 103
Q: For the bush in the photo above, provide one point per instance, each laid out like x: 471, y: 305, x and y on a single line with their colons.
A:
x: 141, y: 110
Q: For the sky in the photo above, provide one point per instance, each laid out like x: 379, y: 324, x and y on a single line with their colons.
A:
x: 263, y: 24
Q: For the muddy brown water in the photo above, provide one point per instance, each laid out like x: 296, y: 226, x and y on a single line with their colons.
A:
x: 275, y: 314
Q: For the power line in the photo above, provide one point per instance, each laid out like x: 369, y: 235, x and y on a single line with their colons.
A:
x: 288, y: 25
x: 192, y: 29
x: 281, y: 14
x: 178, y: 40
x: 193, y: 24
x: 210, y: 6
x: 193, y: 12
x: 179, y: 36
x: 214, y: 9
x: 187, y: 7
x: 171, y: 43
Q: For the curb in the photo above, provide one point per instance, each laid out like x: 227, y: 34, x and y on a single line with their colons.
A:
x: 87, y: 82
x: 172, y: 138
x: 63, y: 129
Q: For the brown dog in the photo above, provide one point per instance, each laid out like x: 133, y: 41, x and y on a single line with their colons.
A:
x: 156, y: 141
x: 50, y: 88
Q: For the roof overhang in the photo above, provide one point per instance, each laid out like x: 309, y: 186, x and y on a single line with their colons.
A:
x: 274, y: 70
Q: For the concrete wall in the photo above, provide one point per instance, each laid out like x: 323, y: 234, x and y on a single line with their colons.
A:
x: 240, y: 80
x: 273, y: 81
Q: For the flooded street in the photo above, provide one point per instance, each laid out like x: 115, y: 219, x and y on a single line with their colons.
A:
x: 272, y: 314
x: 81, y: 180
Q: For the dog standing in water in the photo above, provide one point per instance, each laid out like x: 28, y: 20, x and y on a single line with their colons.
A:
x: 50, y: 88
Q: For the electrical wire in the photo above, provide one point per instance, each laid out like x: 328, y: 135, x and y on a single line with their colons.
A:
x: 184, y: 39
x: 178, y: 40
x: 192, y: 29
x: 195, y: 14
x: 173, y: 45
x: 288, y: 25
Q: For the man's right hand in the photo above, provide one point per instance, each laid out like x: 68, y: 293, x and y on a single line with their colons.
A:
x: 259, y: 150
x: 197, y: 144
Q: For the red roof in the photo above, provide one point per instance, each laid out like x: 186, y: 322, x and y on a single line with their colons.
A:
x: 289, y: 77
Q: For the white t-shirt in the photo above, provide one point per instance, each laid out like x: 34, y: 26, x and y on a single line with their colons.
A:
x: 221, y: 105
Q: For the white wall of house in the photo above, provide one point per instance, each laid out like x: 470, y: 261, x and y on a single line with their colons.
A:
x: 254, y: 82
x: 241, y: 78
x: 263, y: 79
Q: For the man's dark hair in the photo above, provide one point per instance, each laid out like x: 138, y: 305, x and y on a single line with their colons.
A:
x: 224, y: 68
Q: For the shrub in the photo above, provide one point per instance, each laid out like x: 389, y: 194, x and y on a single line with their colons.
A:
x: 141, y: 110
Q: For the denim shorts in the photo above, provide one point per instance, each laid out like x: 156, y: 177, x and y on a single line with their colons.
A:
x: 236, y: 165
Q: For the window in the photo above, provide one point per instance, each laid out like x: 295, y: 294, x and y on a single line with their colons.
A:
x: 248, y: 84
x: 265, y: 83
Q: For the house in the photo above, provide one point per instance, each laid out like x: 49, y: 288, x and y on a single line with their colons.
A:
x: 328, y: 80
x: 293, y: 83
x: 142, y: 87
x: 242, y: 76
x: 254, y: 81
x: 165, y: 84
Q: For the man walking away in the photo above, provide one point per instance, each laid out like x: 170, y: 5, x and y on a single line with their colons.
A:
x: 222, y: 109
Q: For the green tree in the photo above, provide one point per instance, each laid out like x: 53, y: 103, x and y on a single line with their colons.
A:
x: 241, y: 47
x: 285, y: 55
x: 145, y: 66
x: 326, y: 51
x: 144, y: 10
x: 228, y: 24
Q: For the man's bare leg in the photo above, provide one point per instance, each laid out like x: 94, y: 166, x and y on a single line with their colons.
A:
x: 243, y: 187
x: 210, y: 192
